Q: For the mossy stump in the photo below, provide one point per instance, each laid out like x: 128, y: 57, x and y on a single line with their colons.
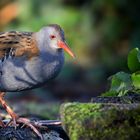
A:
x: 101, y: 121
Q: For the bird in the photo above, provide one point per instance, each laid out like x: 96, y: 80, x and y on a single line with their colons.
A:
x: 29, y: 60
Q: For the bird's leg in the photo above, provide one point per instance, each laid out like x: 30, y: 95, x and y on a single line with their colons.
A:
x: 7, y: 108
x: 15, y: 118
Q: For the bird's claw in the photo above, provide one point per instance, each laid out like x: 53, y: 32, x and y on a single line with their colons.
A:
x: 16, y: 120
x: 25, y: 122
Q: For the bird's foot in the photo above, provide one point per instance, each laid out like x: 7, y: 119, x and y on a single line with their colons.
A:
x: 16, y: 120
x: 26, y: 122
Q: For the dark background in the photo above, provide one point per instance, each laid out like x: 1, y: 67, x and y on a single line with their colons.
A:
x: 100, y: 32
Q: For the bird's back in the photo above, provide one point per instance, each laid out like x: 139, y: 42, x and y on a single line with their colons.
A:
x: 17, y: 44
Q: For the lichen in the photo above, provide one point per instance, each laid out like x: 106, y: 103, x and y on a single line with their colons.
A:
x: 98, y: 121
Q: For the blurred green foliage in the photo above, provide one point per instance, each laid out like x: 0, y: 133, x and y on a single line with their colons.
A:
x: 134, y: 60
x: 123, y: 83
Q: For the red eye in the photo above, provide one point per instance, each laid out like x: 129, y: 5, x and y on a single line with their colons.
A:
x: 52, y: 36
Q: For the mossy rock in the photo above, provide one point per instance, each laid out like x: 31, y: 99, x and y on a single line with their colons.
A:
x: 101, y: 121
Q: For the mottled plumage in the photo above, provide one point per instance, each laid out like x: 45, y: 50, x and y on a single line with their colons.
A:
x: 17, y: 44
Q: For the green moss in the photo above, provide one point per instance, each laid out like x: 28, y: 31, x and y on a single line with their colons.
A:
x: 85, y: 121
x: 83, y: 118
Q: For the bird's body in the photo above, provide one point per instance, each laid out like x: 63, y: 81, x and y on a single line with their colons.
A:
x: 26, y: 60
x: 21, y: 74
x: 29, y: 60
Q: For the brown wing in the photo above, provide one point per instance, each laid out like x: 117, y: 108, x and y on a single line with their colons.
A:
x: 18, y: 44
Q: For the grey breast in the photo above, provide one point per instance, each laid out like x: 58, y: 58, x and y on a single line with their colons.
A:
x: 18, y: 73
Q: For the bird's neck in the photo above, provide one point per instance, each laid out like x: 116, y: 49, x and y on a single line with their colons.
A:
x: 43, y: 44
x: 45, y: 49
x: 52, y: 59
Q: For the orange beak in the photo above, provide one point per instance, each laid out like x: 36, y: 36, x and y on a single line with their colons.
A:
x: 64, y: 46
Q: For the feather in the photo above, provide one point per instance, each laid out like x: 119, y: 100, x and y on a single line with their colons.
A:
x: 17, y: 44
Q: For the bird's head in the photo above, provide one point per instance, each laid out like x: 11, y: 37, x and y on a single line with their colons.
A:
x: 56, y: 39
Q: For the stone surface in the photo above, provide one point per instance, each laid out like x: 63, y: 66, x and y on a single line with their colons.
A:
x: 101, y: 121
